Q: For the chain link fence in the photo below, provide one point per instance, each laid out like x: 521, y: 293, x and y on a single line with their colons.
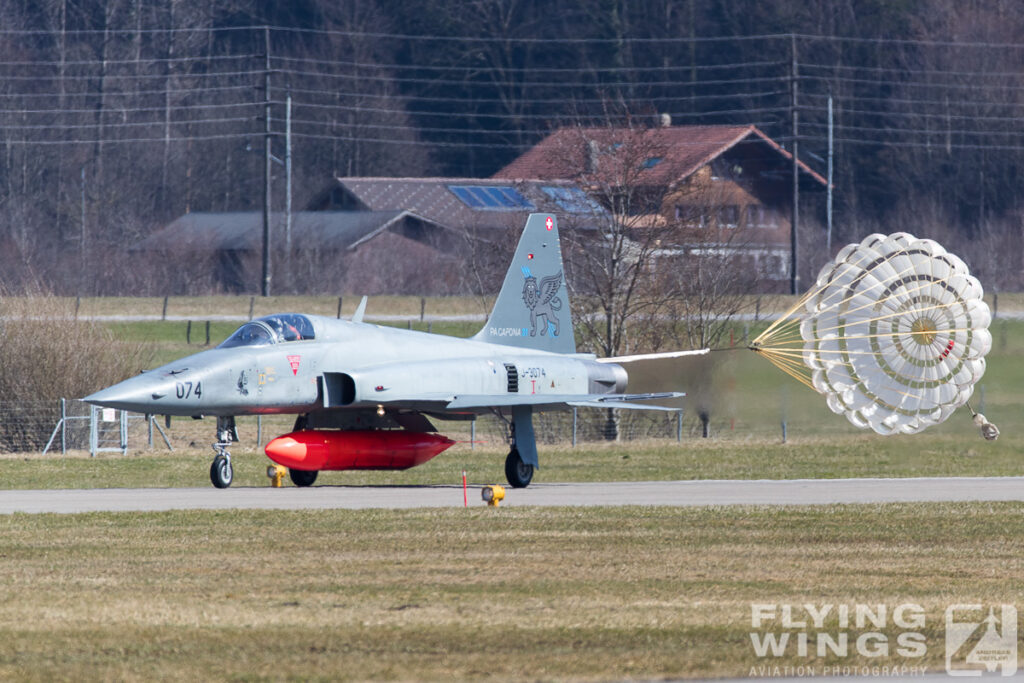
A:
x: 73, y: 425
x: 63, y: 426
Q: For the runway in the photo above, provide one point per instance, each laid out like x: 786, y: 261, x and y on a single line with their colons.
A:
x: 667, y: 493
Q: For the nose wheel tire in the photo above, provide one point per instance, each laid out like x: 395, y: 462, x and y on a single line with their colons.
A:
x: 302, y: 477
x: 221, y: 473
x: 518, y: 473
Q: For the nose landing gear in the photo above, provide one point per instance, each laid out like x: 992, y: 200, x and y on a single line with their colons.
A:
x: 221, y: 472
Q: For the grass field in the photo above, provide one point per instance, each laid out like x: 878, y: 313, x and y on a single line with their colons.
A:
x: 551, y: 594
x: 511, y: 593
x: 860, y: 455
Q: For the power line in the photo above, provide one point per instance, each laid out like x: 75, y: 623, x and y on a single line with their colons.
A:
x: 921, y: 114
x: 131, y: 124
x: 133, y: 61
x: 519, y: 84
x: 903, y: 71
x: 121, y: 111
x: 116, y: 141
x: 536, y: 69
x: 517, y: 117
x: 118, y: 93
x: 489, y: 100
x: 126, y: 76
x: 914, y: 84
x: 903, y: 100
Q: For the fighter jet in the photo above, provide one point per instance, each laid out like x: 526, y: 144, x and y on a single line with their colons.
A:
x: 365, y: 395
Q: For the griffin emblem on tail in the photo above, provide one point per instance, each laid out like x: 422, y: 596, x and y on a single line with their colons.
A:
x: 542, y: 301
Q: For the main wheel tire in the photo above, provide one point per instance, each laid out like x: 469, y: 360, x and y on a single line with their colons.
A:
x: 221, y: 473
x: 518, y: 473
x: 302, y: 477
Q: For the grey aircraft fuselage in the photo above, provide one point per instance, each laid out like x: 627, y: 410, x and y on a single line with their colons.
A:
x: 359, y: 365
x: 381, y: 385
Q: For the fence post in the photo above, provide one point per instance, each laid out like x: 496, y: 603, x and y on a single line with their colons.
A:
x: 472, y: 434
x: 679, y: 426
x: 339, y: 308
x: 163, y: 315
x: 124, y: 432
x: 93, y: 437
x: 423, y: 308
x: 63, y: 427
x: 207, y: 333
x: 188, y: 333
x: 252, y: 300
x: 574, y: 423
x: 259, y: 430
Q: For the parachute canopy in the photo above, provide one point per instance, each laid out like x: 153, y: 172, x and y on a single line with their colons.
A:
x: 893, y: 334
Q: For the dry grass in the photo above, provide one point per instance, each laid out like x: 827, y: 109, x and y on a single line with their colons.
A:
x: 859, y: 455
x: 199, y: 307
x: 468, y: 594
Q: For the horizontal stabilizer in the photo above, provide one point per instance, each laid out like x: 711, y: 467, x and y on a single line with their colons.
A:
x: 654, y: 356
x: 625, y: 405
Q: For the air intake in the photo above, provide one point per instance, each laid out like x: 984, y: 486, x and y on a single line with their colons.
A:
x: 513, y: 378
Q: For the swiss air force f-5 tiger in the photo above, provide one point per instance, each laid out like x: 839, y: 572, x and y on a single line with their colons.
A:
x: 365, y: 395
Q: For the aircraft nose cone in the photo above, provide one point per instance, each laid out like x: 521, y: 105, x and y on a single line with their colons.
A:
x: 139, y: 394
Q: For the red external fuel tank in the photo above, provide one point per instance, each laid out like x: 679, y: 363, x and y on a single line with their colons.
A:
x: 326, y: 449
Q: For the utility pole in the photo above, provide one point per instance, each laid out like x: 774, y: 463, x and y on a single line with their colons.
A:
x: 794, y: 275
x: 83, y: 277
x: 828, y: 202
x: 288, y: 184
x: 265, y: 289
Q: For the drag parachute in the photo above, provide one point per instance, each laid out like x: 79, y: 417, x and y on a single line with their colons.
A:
x: 893, y: 334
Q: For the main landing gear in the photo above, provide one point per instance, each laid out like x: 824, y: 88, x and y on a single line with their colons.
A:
x: 221, y: 472
x: 518, y: 473
x: 302, y: 478
x: 522, y: 457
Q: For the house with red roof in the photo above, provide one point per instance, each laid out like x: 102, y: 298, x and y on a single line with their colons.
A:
x: 714, y: 186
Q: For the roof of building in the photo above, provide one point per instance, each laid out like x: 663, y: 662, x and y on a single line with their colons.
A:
x: 666, y: 155
x: 461, y: 203
x: 243, y: 231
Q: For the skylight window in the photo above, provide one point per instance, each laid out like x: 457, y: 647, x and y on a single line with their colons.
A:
x: 492, y: 197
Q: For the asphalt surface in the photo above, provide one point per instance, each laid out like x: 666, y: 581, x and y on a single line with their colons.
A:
x: 670, y: 493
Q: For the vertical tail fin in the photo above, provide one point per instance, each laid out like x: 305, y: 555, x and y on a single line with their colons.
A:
x: 532, y: 309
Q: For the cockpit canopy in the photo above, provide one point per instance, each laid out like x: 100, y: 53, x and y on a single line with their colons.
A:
x: 271, y: 329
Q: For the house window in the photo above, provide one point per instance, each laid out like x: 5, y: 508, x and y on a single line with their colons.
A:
x: 761, y: 217
x: 729, y: 216
x: 651, y: 162
x: 692, y: 216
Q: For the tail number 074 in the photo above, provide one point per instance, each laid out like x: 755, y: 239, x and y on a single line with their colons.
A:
x: 188, y: 389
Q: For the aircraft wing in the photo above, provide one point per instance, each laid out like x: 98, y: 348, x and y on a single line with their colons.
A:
x: 469, y: 402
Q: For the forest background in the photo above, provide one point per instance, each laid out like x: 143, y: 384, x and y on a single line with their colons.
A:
x: 118, y: 116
